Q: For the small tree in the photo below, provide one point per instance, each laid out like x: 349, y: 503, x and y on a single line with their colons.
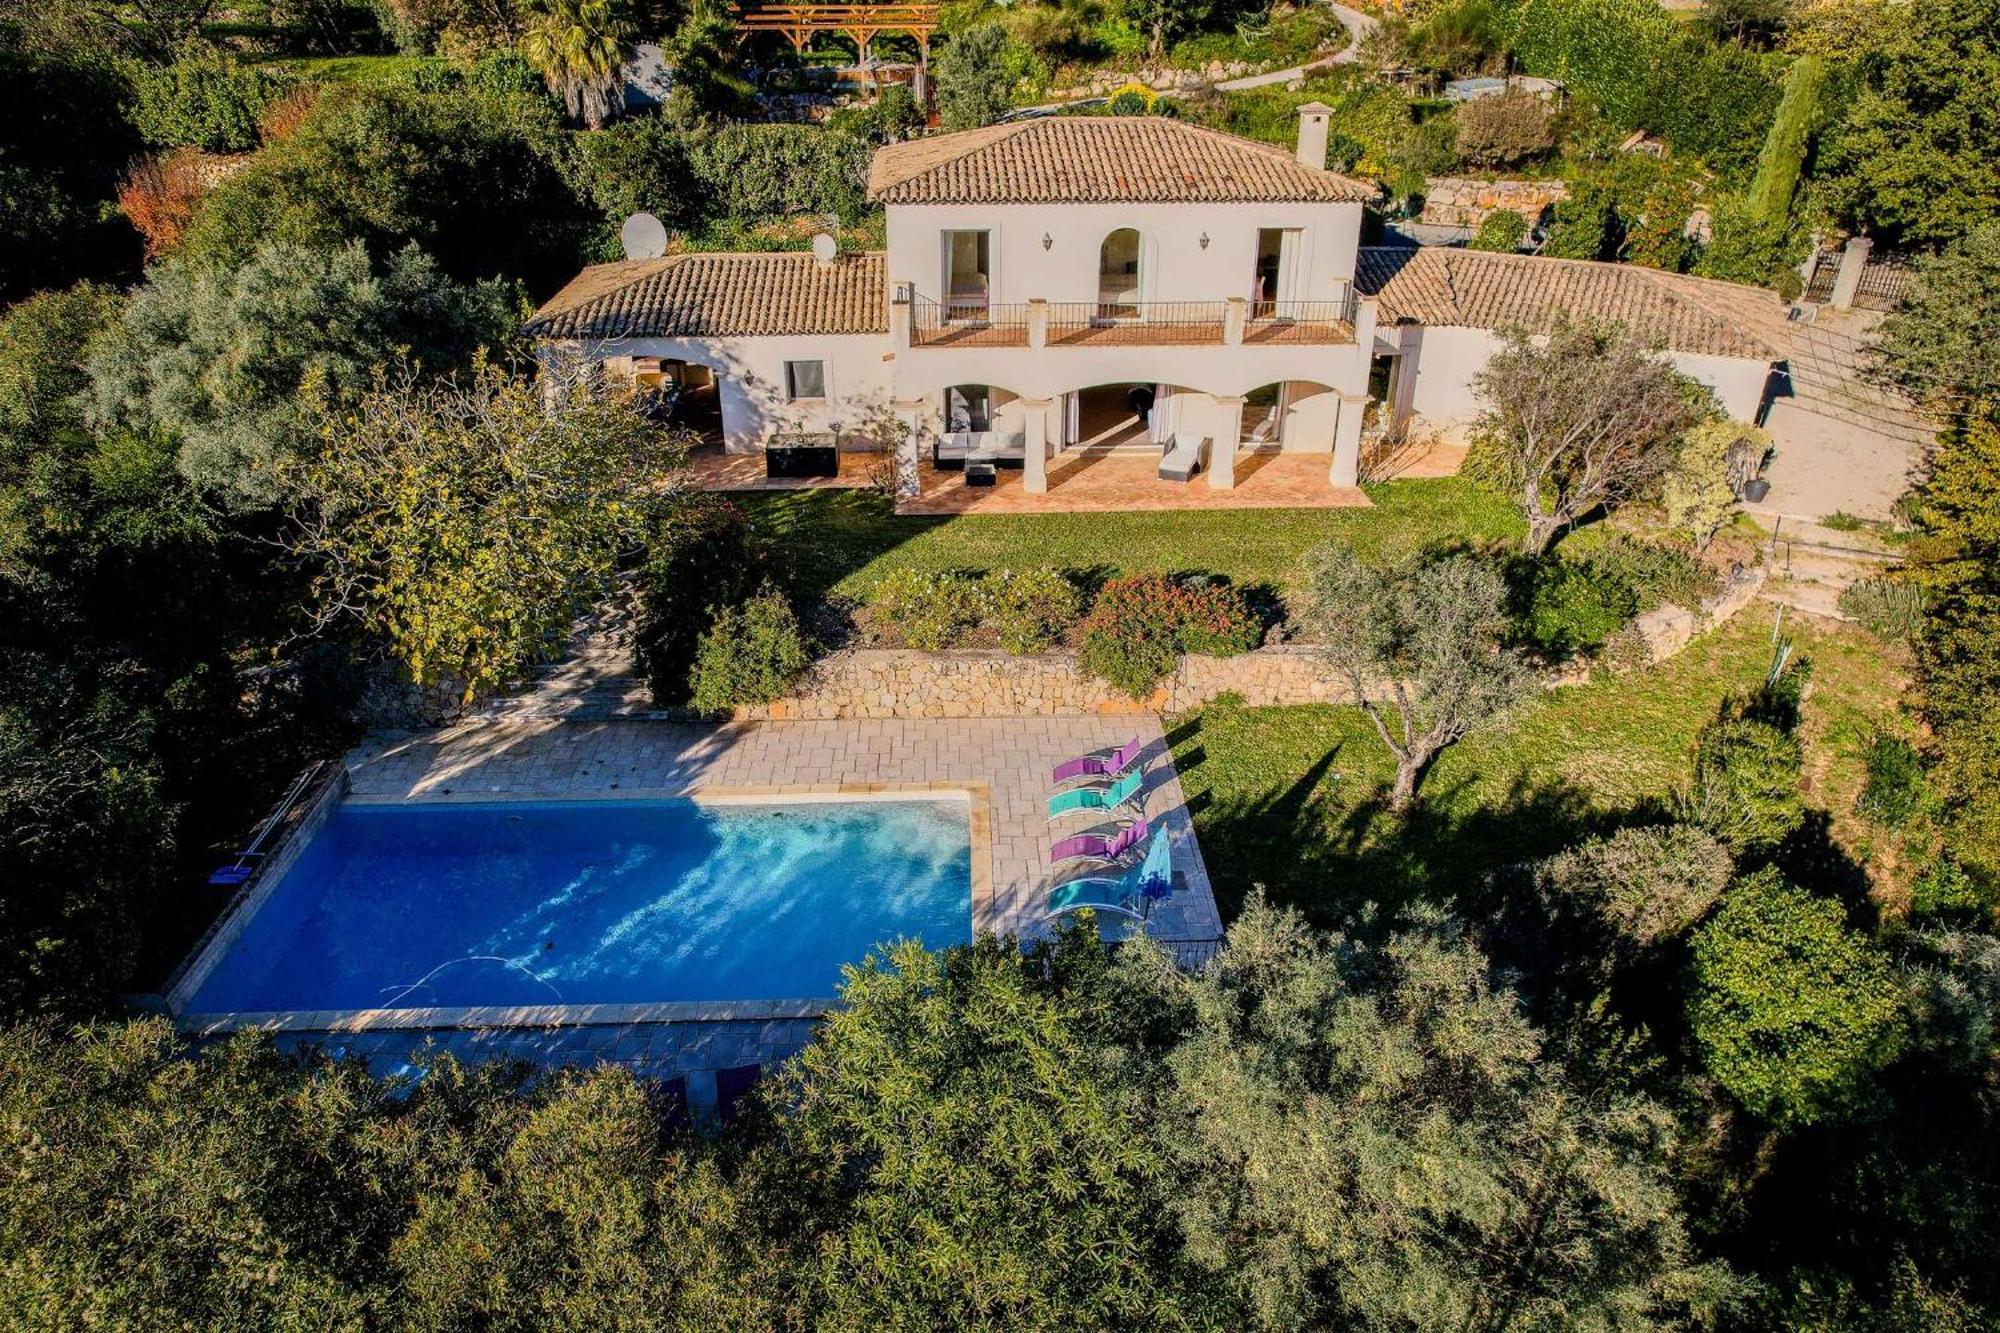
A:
x: 1699, y: 489
x: 1429, y: 634
x: 467, y: 523
x: 579, y: 48
x: 1646, y: 885
x: 974, y: 85
x: 1504, y: 131
x: 1746, y: 783
x: 1580, y: 420
x: 1502, y: 232
x: 1791, y: 1009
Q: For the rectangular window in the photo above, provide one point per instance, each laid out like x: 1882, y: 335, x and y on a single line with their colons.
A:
x: 968, y: 272
x: 805, y: 379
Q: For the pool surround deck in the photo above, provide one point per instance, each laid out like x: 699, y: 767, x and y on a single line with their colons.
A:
x: 1000, y: 766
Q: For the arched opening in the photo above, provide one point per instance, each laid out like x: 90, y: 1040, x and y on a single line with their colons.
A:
x: 1118, y: 275
x: 1296, y: 416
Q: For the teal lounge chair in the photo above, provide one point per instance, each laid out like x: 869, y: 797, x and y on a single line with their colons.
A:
x: 1126, y: 894
x: 1108, y: 797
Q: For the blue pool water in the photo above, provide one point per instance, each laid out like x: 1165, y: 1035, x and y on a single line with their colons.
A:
x: 594, y: 902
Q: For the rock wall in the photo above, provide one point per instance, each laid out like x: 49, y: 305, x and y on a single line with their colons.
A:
x: 889, y: 682
x: 1454, y: 201
x: 1162, y: 79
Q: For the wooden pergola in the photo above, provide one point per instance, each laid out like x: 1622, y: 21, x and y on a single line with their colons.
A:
x: 859, y: 23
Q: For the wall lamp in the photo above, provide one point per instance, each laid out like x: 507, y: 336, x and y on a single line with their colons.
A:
x: 1204, y: 240
x: 1047, y: 240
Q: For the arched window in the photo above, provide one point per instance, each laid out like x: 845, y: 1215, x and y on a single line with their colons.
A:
x: 1118, y: 275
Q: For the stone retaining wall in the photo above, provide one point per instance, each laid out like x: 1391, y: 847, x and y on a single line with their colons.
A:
x: 885, y: 682
x: 1453, y: 201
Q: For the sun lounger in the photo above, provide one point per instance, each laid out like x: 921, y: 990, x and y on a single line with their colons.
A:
x: 1188, y: 455
x: 1098, y: 765
x: 1108, y: 797
x: 1127, y: 894
x: 1097, y: 847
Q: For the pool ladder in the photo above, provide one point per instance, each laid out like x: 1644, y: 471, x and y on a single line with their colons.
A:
x: 247, y: 860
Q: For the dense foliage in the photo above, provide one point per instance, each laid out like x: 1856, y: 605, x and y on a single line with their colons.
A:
x: 212, y: 359
x: 467, y: 524
x: 1138, y: 627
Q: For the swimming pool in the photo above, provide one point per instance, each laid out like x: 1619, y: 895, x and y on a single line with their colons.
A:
x: 592, y: 902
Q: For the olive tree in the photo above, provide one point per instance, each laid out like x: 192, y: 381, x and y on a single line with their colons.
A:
x: 1426, y: 636
x: 1583, y: 418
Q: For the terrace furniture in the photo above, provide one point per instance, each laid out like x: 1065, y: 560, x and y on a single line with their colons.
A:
x: 1098, y: 765
x: 1096, y: 847
x: 1187, y: 457
x: 956, y: 448
x: 808, y: 456
x: 1127, y: 894
x: 1109, y: 797
x: 979, y: 472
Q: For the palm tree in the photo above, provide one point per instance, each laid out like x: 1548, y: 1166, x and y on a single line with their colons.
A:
x: 578, y: 47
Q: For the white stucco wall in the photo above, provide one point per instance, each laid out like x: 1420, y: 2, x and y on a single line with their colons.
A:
x: 750, y: 375
x: 1174, y: 265
x: 1435, y: 387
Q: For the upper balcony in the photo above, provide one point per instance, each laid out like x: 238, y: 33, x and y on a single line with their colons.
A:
x: 1234, y: 322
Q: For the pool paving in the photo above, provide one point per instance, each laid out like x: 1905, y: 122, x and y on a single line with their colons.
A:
x: 1003, y: 763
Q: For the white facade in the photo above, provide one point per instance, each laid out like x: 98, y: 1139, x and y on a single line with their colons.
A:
x: 755, y: 391
x: 1431, y: 384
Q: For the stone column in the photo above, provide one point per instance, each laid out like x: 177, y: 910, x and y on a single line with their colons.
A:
x: 1038, y: 322
x: 1035, y: 469
x: 1852, y: 260
x: 909, y: 446
x: 1235, y: 318
x: 1347, y: 440
x: 1228, y: 434
x: 899, y: 317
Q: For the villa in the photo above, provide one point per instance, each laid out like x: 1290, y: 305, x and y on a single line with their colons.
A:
x: 1104, y: 286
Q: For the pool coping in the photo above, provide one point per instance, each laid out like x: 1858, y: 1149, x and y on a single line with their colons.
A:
x: 202, y: 960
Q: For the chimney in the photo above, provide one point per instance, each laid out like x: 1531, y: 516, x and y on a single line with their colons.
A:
x: 1313, y: 117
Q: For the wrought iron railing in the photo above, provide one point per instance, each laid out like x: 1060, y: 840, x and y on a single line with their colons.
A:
x: 1154, y: 323
x: 967, y: 323
x: 1300, y: 321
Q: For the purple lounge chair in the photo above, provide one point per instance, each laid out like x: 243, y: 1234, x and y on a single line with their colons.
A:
x: 1098, y: 847
x: 1099, y: 765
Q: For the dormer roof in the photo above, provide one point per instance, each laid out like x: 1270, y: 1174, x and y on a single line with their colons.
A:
x: 1099, y: 160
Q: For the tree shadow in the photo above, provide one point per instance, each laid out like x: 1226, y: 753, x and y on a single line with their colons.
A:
x: 1344, y: 863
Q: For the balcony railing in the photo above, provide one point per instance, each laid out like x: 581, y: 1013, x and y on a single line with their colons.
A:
x: 976, y: 322
x: 1300, y: 321
x: 1147, y: 323
x: 967, y: 323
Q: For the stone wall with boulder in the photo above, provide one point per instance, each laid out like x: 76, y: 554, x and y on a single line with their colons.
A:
x: 1454, y: 201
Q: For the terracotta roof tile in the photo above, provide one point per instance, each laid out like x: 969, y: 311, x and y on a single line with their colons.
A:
x: 720, y: 296
x: 1099, y: 159
x: 1479, y: 290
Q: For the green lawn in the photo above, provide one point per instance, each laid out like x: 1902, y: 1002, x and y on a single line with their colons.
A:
x: 1291, y: 797
x: 357, y: 69
x: 844, y: 542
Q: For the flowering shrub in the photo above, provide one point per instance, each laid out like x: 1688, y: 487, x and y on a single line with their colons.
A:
x: 1141, y: 625
x: 1032, y: 608
x: 933, y: 611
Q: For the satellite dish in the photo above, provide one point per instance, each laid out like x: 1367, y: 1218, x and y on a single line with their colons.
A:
x: 824, y: 247
x: 643, y: 236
